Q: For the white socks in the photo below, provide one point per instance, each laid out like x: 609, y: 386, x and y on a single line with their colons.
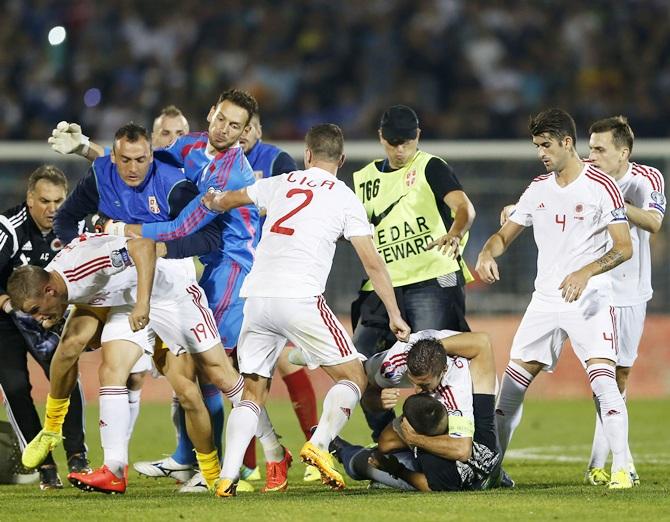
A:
x: 340, y: 401
x: 265, y: 433
x: 134, y: 405
x: 242, y: 425
x: 509, y: 407
x: 114, y: 426
x: 613, y: 413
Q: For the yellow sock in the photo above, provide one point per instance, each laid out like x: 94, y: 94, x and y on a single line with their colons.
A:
x: 209, y: 467
x: 55, y: 415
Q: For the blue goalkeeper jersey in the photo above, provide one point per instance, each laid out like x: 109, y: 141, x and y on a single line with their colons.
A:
x: 163, y: 193
x: 228, y: 170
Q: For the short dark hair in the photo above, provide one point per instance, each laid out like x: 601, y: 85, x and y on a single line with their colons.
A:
x: 132, y: 132
x: 326, y: 141
x: 26, y: 282
x: 171, y: 111
x: 426, y: 357
x: 49, y: 173
x: 622, y: 134
x: 241, y: 99
x: 555, y: 122
x: 426, y: 414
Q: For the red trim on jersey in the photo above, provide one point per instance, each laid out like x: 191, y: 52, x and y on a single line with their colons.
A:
x: 327, y: 317
x: 542, y: 177
x: 87, y: 269
x: 608, y: 183
x: 227, y: 295
x: 653, y: 175
x: 84, y: 266
x: 196, y: 294
x: 186, y: 149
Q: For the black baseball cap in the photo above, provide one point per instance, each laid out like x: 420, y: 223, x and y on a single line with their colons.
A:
x: 399, y: 123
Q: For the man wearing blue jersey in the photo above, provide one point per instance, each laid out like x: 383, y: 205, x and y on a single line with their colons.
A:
x: 130, y: 184
x: 213, y: 160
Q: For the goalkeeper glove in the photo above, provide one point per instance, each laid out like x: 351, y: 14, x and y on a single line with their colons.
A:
x: 67, y: 138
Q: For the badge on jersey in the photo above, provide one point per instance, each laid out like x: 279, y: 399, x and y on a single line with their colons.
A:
x: 120, y: 258
x: 153, y: 205
x: 619, y: 214
x: 658, y: 201
x: 410, y: 178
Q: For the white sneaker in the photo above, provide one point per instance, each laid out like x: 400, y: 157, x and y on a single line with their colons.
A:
x: 196, y: 484
x: 168, y: 467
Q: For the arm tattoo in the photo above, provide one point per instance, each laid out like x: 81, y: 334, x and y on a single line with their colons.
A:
x: 609, y: 261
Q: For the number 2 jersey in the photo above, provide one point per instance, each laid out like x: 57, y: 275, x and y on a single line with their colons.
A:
x: 570, y: 228
x: 98, y: 271
x: 307, y: 211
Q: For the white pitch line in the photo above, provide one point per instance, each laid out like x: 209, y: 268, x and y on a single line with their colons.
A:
x: 558, y: 454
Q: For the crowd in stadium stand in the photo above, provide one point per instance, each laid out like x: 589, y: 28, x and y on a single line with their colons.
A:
x: 471, y: 68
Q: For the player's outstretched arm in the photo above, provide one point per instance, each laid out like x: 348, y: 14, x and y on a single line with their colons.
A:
x: 494, y: 247
x: 143, y: 253
x: 223, y: 201
x: 381, y: 281
x: 68, y: 138
x: 622, y: 249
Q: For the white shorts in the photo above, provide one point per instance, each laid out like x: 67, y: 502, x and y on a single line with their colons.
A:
x: 541, y: 334
x: 144, y: 364
x: 185, y: 326
x: 306, y: 322
x: 629, y: 324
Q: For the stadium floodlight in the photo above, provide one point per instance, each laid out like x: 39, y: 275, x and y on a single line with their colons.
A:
x: 57, y: 35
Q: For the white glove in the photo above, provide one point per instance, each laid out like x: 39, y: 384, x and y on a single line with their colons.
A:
x: 115, y: 228
x: 67, y: 138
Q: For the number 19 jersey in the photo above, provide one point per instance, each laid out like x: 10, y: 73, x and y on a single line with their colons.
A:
x: 306, y: 212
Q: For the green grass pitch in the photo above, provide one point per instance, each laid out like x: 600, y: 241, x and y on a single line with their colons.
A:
x: 547, y: 459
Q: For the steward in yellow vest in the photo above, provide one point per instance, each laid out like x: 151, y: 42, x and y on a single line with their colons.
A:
x: 421, y: 217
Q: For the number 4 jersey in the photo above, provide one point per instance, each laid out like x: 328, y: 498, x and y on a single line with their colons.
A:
x: 570, y: 227
x: 306, y: 212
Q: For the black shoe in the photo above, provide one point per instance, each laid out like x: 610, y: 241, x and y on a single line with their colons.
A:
x: 78, y: 463
x: 335, y: 446
x: 49, y: 478
x: 505, y: 480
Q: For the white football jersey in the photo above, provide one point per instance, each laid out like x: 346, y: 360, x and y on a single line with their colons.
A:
x: 570, y: 228
x: 455, y: 389
x: 98, y: 271
x: 307, y: 211
x: 642, y: 187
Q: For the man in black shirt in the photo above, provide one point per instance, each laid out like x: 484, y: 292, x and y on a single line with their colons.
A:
x: 27, y: 237
x: 415, y: 203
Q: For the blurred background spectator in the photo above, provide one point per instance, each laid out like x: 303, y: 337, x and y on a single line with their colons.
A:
x: 472, y: 68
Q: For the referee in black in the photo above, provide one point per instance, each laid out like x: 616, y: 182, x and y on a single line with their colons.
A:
x: 27, y: 237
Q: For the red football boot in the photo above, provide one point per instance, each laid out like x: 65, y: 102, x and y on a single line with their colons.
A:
x: 101, y: 480
x: 276, y: 478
